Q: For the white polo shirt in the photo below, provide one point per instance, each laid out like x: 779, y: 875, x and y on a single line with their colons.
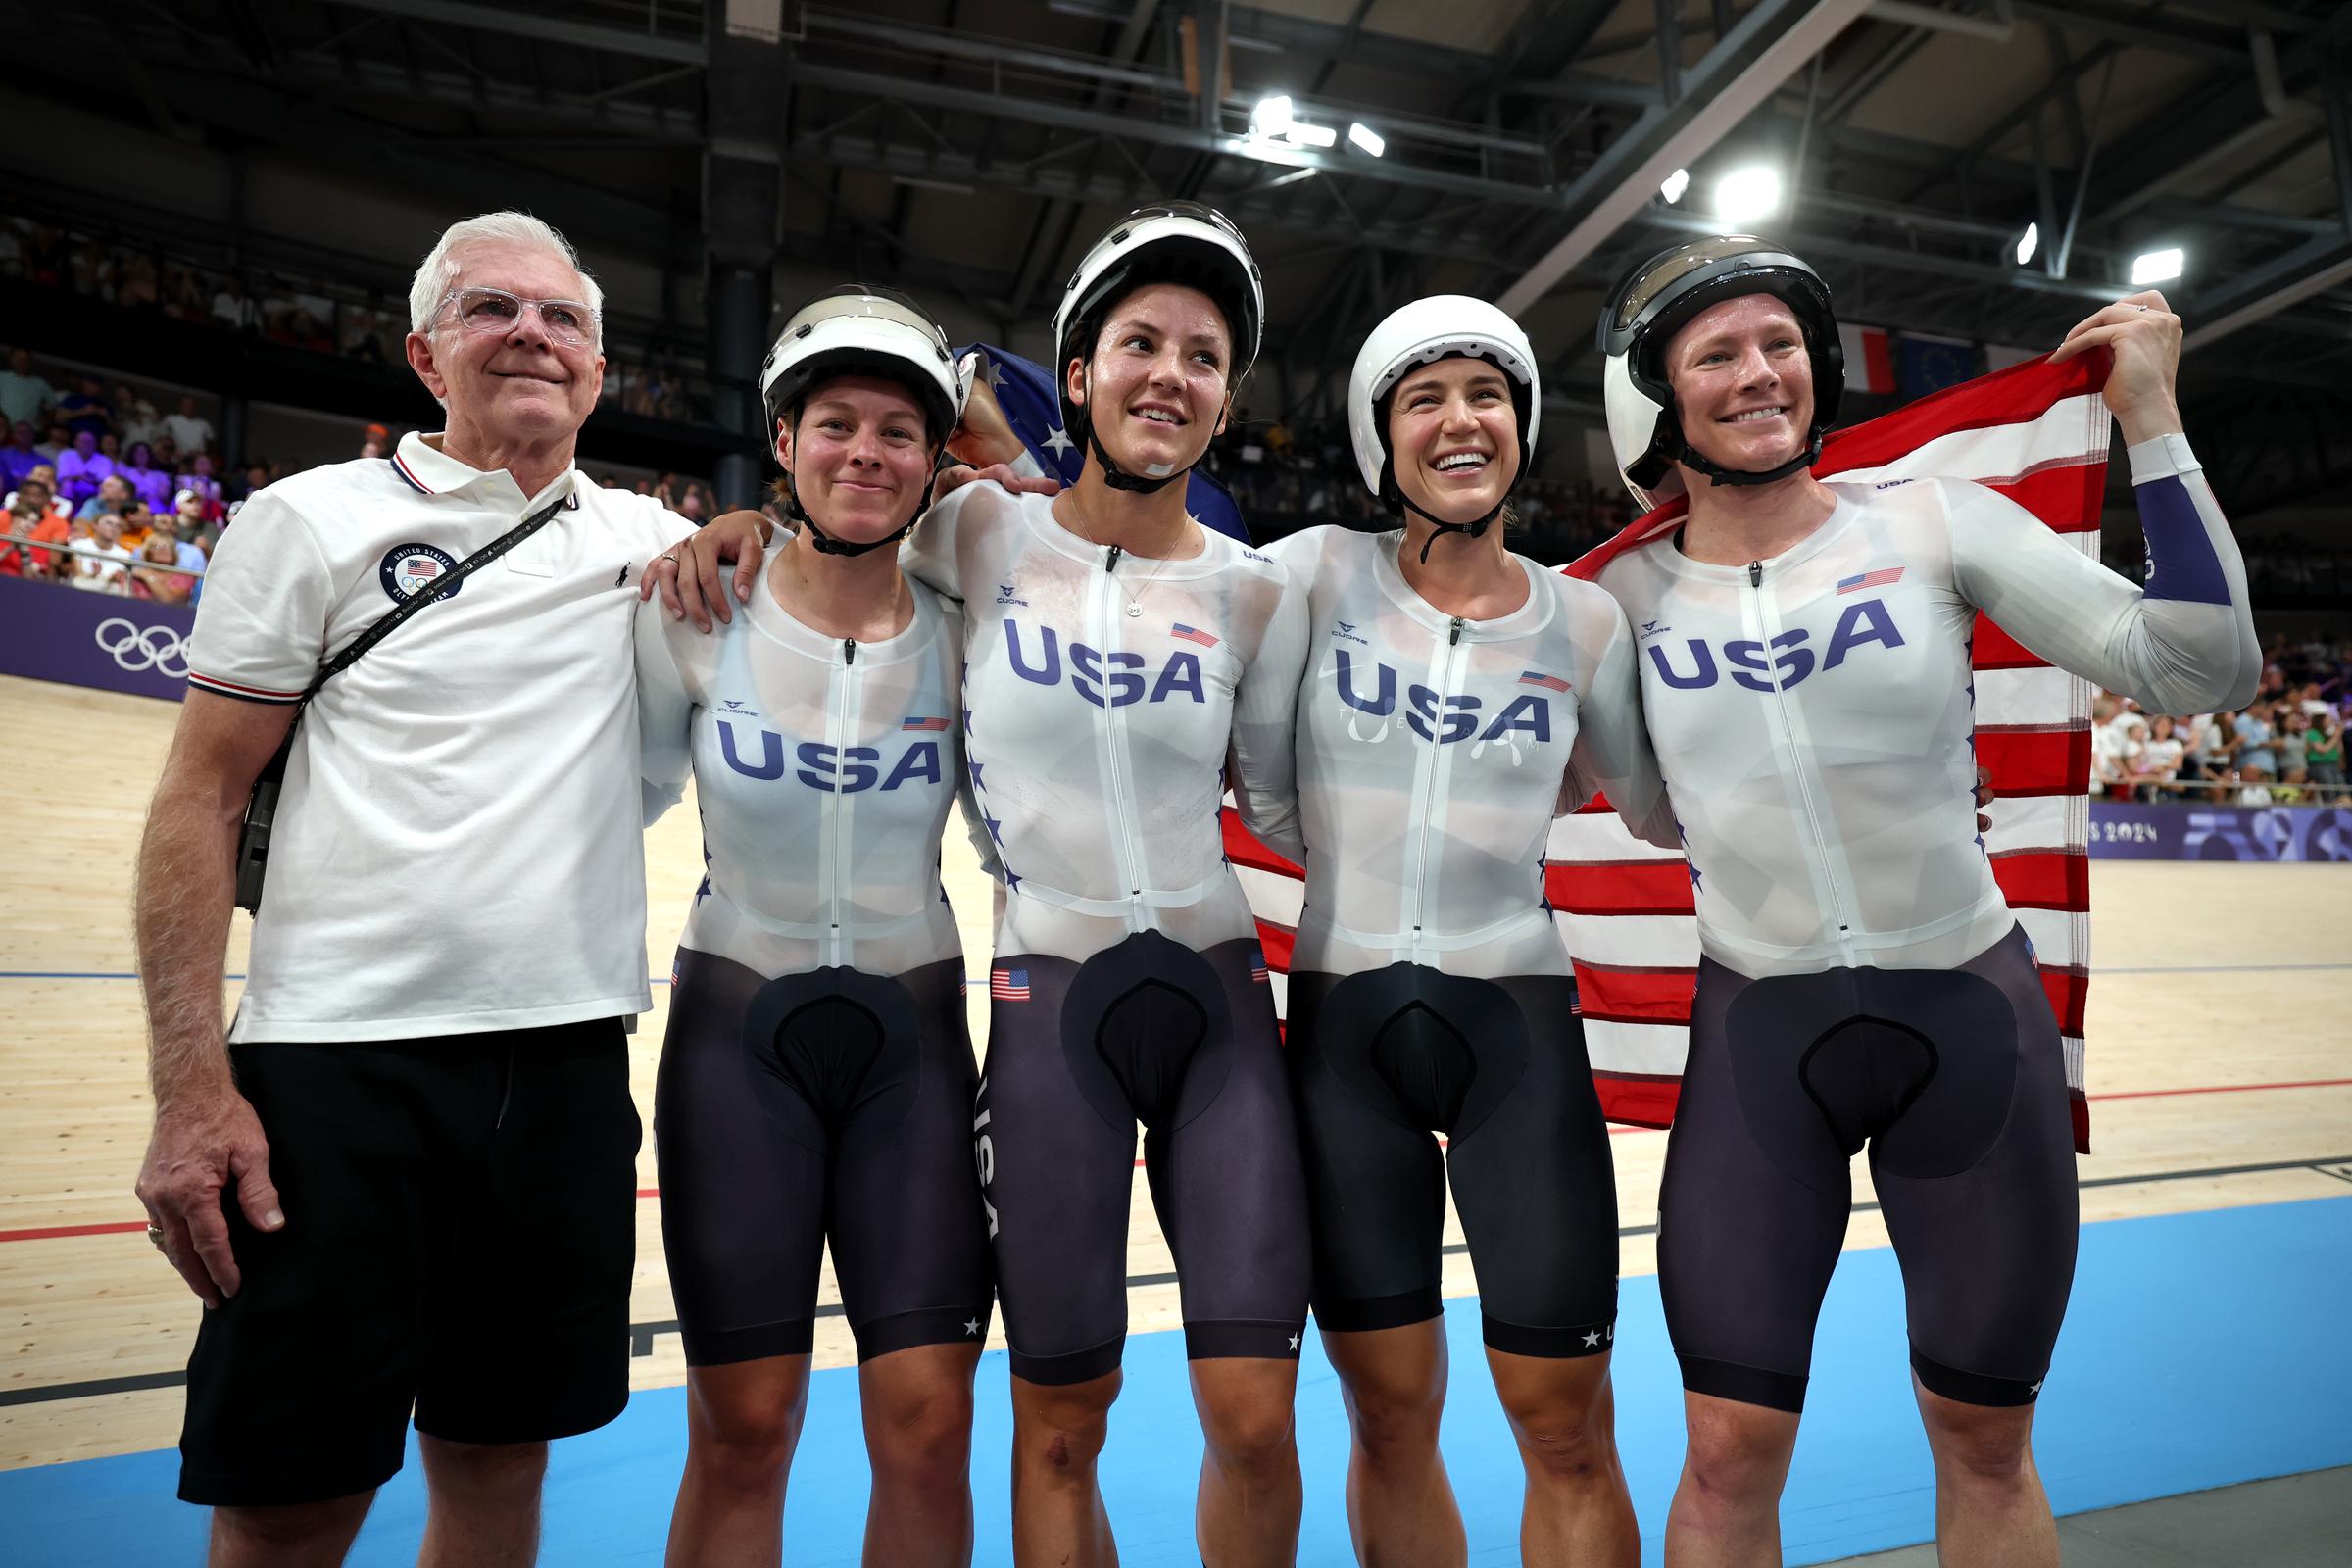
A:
x: 457, y: 847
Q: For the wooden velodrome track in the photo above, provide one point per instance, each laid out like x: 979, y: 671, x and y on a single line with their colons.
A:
x: 2220, y: 1075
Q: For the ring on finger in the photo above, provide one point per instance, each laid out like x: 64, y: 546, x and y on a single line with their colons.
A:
x: 155, y: 1233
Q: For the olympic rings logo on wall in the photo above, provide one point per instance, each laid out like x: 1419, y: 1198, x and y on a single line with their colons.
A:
x: 135, y: 647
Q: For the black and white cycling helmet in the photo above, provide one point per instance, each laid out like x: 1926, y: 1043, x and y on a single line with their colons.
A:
x: 1438, y: 327
x: 858, y: 330
x: 1166, y: 242
x: 1653, y: 303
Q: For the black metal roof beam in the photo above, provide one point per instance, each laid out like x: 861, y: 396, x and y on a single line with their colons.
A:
x: 1736, y: 77
x: 542, y: 28
x: 1262, y: 206
x: 1057, y: 219
x: 1168, y: 133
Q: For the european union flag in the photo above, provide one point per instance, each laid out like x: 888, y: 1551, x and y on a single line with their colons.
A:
x: 1033, y: 408
x: 1925, y: 365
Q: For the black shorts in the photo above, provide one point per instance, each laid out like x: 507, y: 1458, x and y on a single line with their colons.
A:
x: 831, y: 1101
x: 460, y: 1231
x: 1381, y: 1060
x: 1183, y: 1041
x: 1956, y: 1079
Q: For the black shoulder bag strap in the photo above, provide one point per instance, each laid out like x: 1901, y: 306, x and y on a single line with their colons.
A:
x: 261, y: 807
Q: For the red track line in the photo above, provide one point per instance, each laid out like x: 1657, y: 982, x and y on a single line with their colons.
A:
x: 124, y: 1227
x: 2222, y: 1088
x: 111, y: 1228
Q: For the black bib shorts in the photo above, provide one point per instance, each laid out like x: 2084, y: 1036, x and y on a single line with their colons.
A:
x: 831, y: 1103
x: 1957, y: 1080
x: 1382, y: 1060
x: 1185, y: 1043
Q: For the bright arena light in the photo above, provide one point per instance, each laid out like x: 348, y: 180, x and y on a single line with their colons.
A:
x: 1676, y: 183
x: 1271, y: 117
x: 1302, y: 135
x: 1365, y: 136
x: 2156, y: 267
x: 2027, y: 243
x: 1747, y: 194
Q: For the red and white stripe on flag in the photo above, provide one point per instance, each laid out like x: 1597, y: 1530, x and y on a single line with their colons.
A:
x: 2038, y: 433
x: 1869, y: 357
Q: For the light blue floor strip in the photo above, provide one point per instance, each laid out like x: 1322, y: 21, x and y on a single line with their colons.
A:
x: 2202, y: 1349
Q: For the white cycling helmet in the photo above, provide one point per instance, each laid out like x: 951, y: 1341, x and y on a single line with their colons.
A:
x: 1438, y: 327
x: 1652, y: 304
x: 858, y: 330
x: 1166, y: 242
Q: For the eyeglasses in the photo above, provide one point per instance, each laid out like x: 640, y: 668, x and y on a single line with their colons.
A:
x: 493, y: 310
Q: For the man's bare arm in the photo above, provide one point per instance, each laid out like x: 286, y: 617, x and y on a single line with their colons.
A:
x: 206, y: 1136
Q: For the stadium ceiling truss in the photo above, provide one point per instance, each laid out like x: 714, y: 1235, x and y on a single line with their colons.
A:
x: 968, y: 146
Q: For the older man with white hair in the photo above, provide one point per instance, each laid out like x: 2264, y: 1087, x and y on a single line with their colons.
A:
x: 402, y: 1179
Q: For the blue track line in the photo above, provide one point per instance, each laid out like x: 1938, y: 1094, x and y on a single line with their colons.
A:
x: 2202, y: 1349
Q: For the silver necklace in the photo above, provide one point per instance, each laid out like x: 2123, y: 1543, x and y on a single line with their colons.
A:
x: 1135, y: 609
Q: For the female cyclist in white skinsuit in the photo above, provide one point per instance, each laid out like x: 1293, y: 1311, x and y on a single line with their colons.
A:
x: 818, y: 1078
x: 1123, y: 666
x: 1806, y: 682
x: 1457, y: 697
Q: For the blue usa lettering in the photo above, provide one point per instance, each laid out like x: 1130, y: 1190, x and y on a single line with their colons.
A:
x: 1454, y: 718
x: 1787, y: 662
x: 1382, y: 703
x: 1114, y: 679
x: 772, y: 754
x: 846, y: 771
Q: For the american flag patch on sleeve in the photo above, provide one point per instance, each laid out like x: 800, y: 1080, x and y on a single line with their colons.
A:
x: 1008, y: 985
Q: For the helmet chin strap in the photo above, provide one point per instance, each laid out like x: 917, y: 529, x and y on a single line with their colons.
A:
x: 1797, y: 464
x: 1119, y: 478
x: 1470, y: 529
x: 1115, y: 476
x: 825, y: 544
x: 1718, y: 476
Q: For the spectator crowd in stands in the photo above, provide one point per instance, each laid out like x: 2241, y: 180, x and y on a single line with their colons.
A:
x: 133, y: 490
x: 2285, y: 747
x: 271, y: 305
x: 143, y: 495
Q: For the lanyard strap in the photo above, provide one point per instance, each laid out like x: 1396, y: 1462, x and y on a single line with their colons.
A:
x: 441, y: 589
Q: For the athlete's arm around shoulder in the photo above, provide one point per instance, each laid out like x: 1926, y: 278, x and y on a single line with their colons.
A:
x: 1263, y: 767
x: 933, y: 554
x: 672, y: 659
x: 952, y: 632
x: 260, y: 635
x: 1612, y: 755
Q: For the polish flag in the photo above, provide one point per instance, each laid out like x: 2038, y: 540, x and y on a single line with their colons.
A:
x: 2039, y: 434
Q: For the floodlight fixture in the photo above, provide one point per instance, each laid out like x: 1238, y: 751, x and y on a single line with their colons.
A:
x: 2027, y: 243
x: 1747, y: 194
x: 1271, y: 117
x: 2156, y: 267
x: 1676, y: 183
x: 1365, y: 136
x: 1302, y: 135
